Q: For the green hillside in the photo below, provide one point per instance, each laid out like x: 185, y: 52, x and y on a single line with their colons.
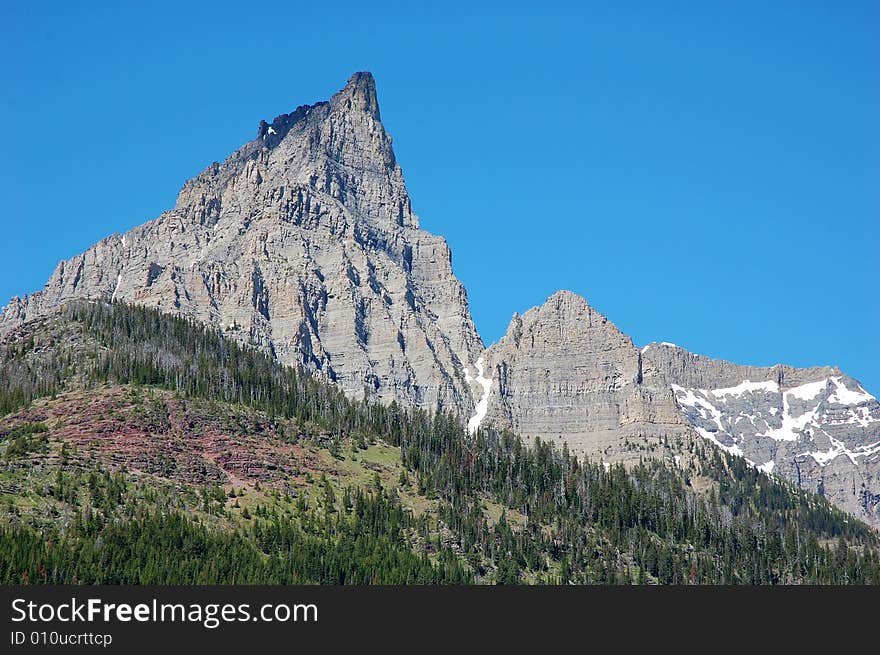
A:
x: 141, y: 448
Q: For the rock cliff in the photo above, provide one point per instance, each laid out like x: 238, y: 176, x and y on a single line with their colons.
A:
x: 816, y: 427
x: 564, y: 372
x: 303, y: 242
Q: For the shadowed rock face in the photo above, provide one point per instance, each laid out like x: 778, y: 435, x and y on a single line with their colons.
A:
x: 565, y: 372
x: 814, y: 426
x: 304, y: 243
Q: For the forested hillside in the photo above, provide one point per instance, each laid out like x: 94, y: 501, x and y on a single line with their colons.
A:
x: 142, y: 448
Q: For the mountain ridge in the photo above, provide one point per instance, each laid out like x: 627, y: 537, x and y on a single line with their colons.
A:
x: 304, y: 244
x: 581, y: 380
x: 164, y: 452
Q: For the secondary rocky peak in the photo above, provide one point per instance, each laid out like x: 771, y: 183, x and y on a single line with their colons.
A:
x: 572, y: 310
x: 358, y: 95
x: 565, y: 305
x: 564, y: 371
x: 564, y: 296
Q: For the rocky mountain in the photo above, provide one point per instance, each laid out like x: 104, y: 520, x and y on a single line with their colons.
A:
x: 137, y: 447
x: 814, y: 426
x: 304, y: 243
x: 563, y: 372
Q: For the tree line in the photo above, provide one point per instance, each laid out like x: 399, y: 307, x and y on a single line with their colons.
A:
x: 577, y: 522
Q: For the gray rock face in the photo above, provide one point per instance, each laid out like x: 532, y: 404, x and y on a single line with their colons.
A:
x: 565, y: 372
x: 814, y: 426
x: 304, y: 243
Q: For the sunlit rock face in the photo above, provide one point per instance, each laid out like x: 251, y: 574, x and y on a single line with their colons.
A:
x: 814, y: 426
x: 564, y: 372
x: 303, y: 243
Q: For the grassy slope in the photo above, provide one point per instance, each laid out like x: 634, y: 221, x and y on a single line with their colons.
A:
x: 77, y: 441
x: 165, y: 453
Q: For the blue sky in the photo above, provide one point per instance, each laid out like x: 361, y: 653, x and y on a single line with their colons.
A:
x: 704, y: 173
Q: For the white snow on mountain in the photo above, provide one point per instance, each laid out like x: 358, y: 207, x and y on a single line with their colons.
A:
x: 808, y: 391
x: 483, y: 403
x: 844, y: 396
x: 768, y: 467
x: 116, y: 288
x: 739, y: 416
x: 662, y: 343
x: 744, y: 387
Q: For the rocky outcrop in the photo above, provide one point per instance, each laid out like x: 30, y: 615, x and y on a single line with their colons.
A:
x: 304, y: 243
x: 564, y: 372
x: 816, y: 427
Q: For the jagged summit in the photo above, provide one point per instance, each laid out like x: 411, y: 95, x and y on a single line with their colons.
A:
x: 271, y: 134
x: 303, y: 242
x: 358, y: 95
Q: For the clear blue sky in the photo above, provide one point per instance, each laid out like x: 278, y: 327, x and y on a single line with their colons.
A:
x: 704, y: 173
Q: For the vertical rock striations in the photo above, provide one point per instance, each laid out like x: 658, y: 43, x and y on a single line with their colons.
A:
x: 304, y: 243
x: 565, y: 372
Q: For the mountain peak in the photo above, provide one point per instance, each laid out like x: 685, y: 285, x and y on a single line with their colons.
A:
x: 567, y: 306
x: 304, y: 244
x: 359, y: 94
x: 566, y: 297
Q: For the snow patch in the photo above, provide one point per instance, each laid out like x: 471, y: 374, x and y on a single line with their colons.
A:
x: 791, y: 425
x: 271, y: 131
x: 116, y: 289
x: 844, y: 396
x: 691, y: 399
x: 718, y: 406
x: 808, y: 391
x: 483, y: 404
x: 733, y: 450
x: 822, y: 457
x: 745, y: 387
x: 662, y: 343
x: 857, y: 416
